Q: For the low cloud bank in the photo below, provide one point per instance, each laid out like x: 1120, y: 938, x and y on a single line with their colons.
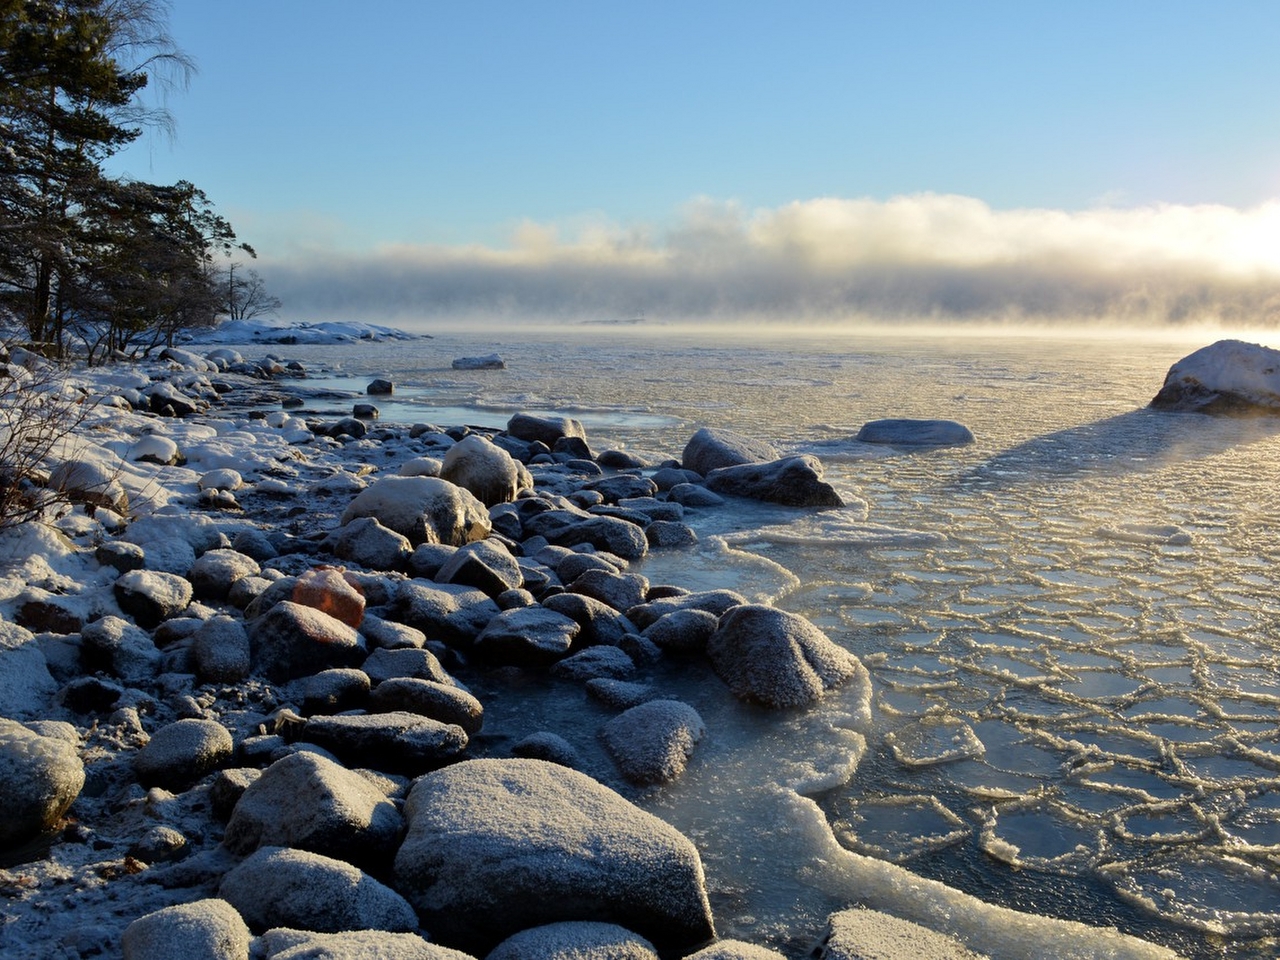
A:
x: 919, y: 258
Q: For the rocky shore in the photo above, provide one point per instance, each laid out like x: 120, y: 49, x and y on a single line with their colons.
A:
x: 239, y: 666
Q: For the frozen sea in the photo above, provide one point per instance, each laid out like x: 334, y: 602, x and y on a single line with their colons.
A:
x: 1072, y: 625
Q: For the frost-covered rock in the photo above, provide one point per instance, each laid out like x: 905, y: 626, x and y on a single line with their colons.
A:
x: 571, y: 528
x: 528, y: 427
x: 420, y: 467
x: 27, y: 687
x: 489, y: 361
x: 717, y: 602
x: 652, y: 742
x: 1229, y: 376
x: 214, y: 572
x: 915, y: 433
x: 423, y: 509
x: 404, y: 663
x: 526, y: 637
x: 367, y: 542
x: 776, y: 658
x: 485, y: 565
x: 309, y: 802
x: 485, y: 469
x: 498, y: 846
x: 430, y: 698
x: 600, y: 623
x: 861, y: 934
x: 292, y: 640
x: 710, y: 449
x: 279, y: 887
x: 396, y: 741
x: 622, y: 591
x: 445, y: 611
x: 40, y: 777
x: 682, y: 631
x: 286, y: 944
x: 116, y: 645
x: 327, y: 590
x: 180, y: 753
x: 574, y: 941
x: 792, y: 481
x: 220, y: 651
x: 209, y: 929
x: 331, y: 691
x: 150, y: 596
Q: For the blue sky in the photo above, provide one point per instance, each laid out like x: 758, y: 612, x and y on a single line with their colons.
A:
x: 465, y: 145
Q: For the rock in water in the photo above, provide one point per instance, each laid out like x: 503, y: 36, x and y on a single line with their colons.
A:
x: 861, y: 934
x: 711, y: 449
x: 792, y: 481
x: 490, y: 361
x: 776, y: 658
x: 915, y: 433
x: 497, y: 846
x: 1227, y: 377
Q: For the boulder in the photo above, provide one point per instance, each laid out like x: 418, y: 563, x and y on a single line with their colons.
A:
x: 683, y: 632
x: 526, y: 426
x: 326, y: 589
x: 526, y: 637
x: 716, y: 602
x: 291, y: 640
x: 116, y: 645
x: 90, y: 482
x: 279, y: 887
x: 571, y: 528
x: 40, y: 777
x: 389, y: 635
x: 439, y: 701
x: 623, y: 486
x: 485, y: 469
x: 220, y: 651
x: 380, y: 388
x: 777, y: 659
x: 861, y: 934
x: 286, y: 944
x: 443, y: 611
x: 599, y: 622
x: 622, y: 591
x: 737, y: 950
x: 915, y: 433
x: 490, y: 361
x: 150, y: 596
x: 652, y: 742
x: 214, y: 572
x: 484, y: 565
x: 711, y: 449
x: 27, y: 688
x: 308, y: 802
x: 498, y: 846
x: 665, y: 534
x: 224, y: 478
x: 792, y: 481
x: 367, y: 542
x: 180, y: 753
x: 331, y: 691
x: 1227, y: 377
x: 694, y: 495
x: 397, y: 741
x: 574, y: 941
x: 209, y: 929
x: 423, y: 509
x: 404, y: 663
x: 595, y: 662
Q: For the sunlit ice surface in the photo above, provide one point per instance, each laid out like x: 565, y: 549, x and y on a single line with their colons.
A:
x: 1072, y: 627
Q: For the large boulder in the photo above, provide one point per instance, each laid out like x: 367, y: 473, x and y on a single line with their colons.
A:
x: 710, y: 449
x: 423, y: 509
x: 485, y: 469
x: 915, y: 433
x: 92, y: 482
x: 182, y: 752
x: 40, y: 777
x: 395, y: 741
x: 291, y: 640
x: 527, y: 637
x: 278, y: 887
x: 526, y: 426
x: 209, y: 929
x: 309, y: 802
x: 777, y: 659
x: 498, y: 846
x: 792, y: 481
x: 150, y: 596
x: 1227, y: 377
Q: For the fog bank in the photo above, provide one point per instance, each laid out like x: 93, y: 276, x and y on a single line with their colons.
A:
x: 928, y: 257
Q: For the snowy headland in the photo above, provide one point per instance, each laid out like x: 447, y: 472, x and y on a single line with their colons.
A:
x: 244, y: 663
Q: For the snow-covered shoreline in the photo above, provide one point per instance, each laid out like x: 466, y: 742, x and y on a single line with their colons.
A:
x: 249, y: 479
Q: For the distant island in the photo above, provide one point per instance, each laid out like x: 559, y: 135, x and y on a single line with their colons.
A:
x: 298, y: 332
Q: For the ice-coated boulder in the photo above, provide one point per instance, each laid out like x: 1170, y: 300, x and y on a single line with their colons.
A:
x: 861, y: 934
x: 571, y: 940
x: 423, y: 509
x: 526, y: 637
x: 40, y: 777
x: 652, y: 742
x: 489, y: 361
x: 710, y: 449
x: 1227, y: 377
x: 792, y: 481
x: 309, y: 802
x: 150, y: 596
x: 498, y: 846
x: 286, y: 944
x: 776, y: 658
x: 915, y: 433
x: 279, y: 887
x: 292, y: 640
x: 526, y: 426
x: 485, y: 469
x: 182, y: 752
x: 209, y: 929
x: 395, y: 741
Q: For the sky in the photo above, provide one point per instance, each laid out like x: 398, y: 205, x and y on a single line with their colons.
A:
x: 420, y: 161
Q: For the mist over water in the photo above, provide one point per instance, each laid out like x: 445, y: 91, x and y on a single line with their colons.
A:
x: 1072, y: 626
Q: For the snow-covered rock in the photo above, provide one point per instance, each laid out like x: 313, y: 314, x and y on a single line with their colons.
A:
x: 1227, y: 377
x: 489, y: 361
x: 281, y: 332
x: 209, y: 929
x: 861, y: 934
x: 423, y: 509
x: 485, y: 469
x: 150, y: 596
x: 40, y: 777
x: 498, y: 846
